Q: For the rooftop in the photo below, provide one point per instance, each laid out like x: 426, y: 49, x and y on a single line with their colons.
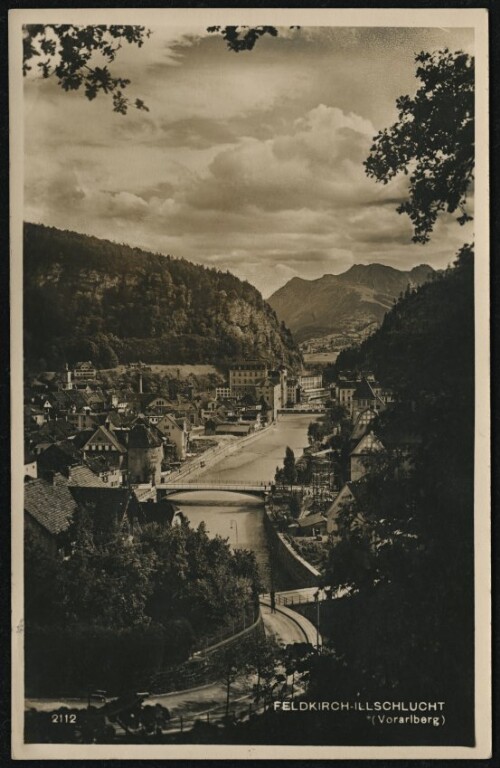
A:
x: 50, y: 504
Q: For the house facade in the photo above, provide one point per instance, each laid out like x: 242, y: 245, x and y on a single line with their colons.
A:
x: 145, y: 454
x: 85, y: 370
x: 345, y: 498
x: 270, y: 391
x: 369, y: 444
x: 104, y: 442
x: 177, y: 432
x: 244, y: 376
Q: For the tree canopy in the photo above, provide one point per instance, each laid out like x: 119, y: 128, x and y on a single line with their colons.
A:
x: 161, y: 590
x: 432, y: 141
x: 67, y: 51
x: 243, y: 38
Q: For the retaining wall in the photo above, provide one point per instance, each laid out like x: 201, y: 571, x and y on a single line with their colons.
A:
x: 301, y: 573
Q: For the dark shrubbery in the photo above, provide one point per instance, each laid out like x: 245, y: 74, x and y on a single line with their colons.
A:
x: 116, y: 610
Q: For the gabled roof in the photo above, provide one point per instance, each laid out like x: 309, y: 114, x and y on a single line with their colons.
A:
x: 104, y: 436
x: 101, y: 462
x: 362, y: 423
x: 367, y: 444
x: 170, y: 419
x: 314, y: 519
x: 82, y: 437
x: 53, y: 431
x: 364, y: 391
x: 233, y: 428
x: 111, y: 416
x: 58, y: 458
x: 68, y: 398
x: 51, y: 505
x: 82, y: 476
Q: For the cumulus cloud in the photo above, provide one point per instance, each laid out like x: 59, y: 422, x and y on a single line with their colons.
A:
x: 251, y: 163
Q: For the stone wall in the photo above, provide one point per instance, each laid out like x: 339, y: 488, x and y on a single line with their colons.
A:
x: 301, y: 573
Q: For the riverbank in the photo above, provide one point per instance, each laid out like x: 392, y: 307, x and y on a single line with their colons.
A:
x: 300, y: 571
x: 212, y: 456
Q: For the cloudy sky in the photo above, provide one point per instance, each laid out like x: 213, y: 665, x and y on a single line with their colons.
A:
x: 250, y: 162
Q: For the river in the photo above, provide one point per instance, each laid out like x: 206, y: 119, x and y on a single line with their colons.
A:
x: 236, y: 516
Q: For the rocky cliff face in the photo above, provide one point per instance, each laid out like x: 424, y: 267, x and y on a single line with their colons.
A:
x: 334, y: 304
x: 86, y: 298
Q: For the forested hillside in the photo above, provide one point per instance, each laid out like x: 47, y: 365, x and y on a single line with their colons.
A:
x: 425, y: 342
x: 417, y: 501
x: 86, y: 298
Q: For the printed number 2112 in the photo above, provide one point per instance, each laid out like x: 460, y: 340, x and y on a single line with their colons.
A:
x: 63, y: 718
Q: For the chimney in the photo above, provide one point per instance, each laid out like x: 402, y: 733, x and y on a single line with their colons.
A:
x: 140, y: 382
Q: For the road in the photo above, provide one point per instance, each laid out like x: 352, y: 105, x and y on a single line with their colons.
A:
x: 281, y: 627
x: 287, y: 626
x: 198, y: 700
x: 291, y: 597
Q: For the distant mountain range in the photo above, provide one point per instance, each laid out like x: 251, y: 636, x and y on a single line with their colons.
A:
x: 343, y: 305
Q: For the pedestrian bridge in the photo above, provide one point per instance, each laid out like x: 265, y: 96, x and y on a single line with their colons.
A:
x: 254, y: 489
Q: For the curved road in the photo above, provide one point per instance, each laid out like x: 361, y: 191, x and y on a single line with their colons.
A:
x: 284, y: 625
x: 287, y: 626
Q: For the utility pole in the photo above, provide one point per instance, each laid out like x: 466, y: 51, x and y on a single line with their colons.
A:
x: 317, y: 597
x: 234, y: 525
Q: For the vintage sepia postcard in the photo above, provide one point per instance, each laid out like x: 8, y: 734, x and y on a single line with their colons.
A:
x: 250, y: 383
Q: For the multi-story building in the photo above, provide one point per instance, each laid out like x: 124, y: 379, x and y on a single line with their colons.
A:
x: 85, y: 370
x: 311, y: 381
x: 344, y: 392
x: 292, y: 392
x: 244, y: 377
x: 222, y: 393
x: 269, y: 389
x: 176, y: 430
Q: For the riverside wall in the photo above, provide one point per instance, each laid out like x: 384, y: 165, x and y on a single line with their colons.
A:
x: 214, y: 455
x: 301, y: 573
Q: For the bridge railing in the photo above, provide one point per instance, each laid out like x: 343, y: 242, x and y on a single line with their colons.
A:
x: 258, y: 485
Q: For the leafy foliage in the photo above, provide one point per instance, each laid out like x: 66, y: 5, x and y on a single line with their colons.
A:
x: 243, y: 38
x: 405, y: 543
x: 165, y: 588
x: 432, y: 141
x: 289, y: 469
x: 68, y: 51
x: 87, y: 298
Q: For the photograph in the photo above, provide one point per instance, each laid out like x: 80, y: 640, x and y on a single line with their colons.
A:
x: 250, y: 382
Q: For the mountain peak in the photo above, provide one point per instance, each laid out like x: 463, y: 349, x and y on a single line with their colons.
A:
x: 335, y: 304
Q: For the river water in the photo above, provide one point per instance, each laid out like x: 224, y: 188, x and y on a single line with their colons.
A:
x: 239, y: 517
